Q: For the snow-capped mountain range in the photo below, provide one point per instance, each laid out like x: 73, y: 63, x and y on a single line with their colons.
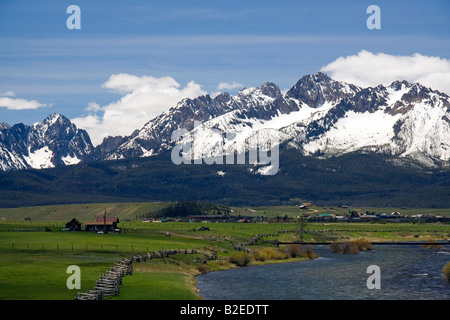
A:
x: 56, y: 141
x: 318, y: 115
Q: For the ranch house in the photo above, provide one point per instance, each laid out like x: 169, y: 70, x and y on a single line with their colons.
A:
x: 110, y: 223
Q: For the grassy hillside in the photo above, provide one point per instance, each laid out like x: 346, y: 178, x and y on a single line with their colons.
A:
x: 83, y: 212
x: 137, y: 210
x: 293, y: 211
x: 353, y: 179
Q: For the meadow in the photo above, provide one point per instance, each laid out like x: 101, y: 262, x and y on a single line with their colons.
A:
x: 33, y: 264
x: 35, y: 253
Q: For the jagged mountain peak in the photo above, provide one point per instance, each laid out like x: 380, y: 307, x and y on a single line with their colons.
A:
x: 317, y: 77
x: 399, y: 85
x: 413, y: 90
x: 316, y: 89
x: 55, y: 141
x: 56, y: 119
x: 415, y: 87
x: 4, y: 125
x: 53, y: 118
x: 268, y: 89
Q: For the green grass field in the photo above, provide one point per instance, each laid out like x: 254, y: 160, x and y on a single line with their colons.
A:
x: 33, y: 264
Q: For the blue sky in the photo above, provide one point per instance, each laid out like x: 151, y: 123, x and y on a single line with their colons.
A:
x: 207, y: 42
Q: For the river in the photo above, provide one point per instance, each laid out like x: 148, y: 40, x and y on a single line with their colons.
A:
x: 407, y: 272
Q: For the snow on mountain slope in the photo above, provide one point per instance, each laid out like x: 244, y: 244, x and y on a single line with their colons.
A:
x: 318, y: 115
x: 412, y: 122
x: 70, y: 160
x: 11, y: 160
x: 4, y: 125
x: 425, y: 130
x: 406, y: 120
x: 53, y: 142
x: 229, y: 133
x: 40, y: 159
x: 355, y: 131
x: 156, y: 135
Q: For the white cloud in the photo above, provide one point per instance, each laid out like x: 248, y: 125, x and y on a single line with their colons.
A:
x: 18, y: 104
x: 143, y: 99
x: 8, y: 94
x: 229, y: 86
x: 367, y: 69
x: 93, y: 107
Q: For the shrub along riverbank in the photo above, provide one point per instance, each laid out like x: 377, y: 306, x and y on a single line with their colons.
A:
x: 446, y: 271
x: 350, y: 247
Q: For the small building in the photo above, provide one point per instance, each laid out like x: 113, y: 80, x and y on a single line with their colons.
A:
x: 306, y: 204
x: 101, y: 223
x: 73, y: 225
x: 327, y: 215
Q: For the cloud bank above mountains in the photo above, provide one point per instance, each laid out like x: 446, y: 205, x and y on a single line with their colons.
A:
x: 367, y: 69
x: 143, y: 98
x: 8, y: 101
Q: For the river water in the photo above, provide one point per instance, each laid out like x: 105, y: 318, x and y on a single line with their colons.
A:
x: 406, y: 273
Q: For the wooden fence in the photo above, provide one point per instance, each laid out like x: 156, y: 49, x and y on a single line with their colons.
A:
x: 109, y: 283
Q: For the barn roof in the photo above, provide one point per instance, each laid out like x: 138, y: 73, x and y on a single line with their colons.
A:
x: 108, y: 219
x: 75, y: 220
x: 99, y: 223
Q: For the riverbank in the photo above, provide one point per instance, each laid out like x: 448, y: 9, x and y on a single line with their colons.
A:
x: 407, y: 272
x: 175, y: 277
x: 191, y: 273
